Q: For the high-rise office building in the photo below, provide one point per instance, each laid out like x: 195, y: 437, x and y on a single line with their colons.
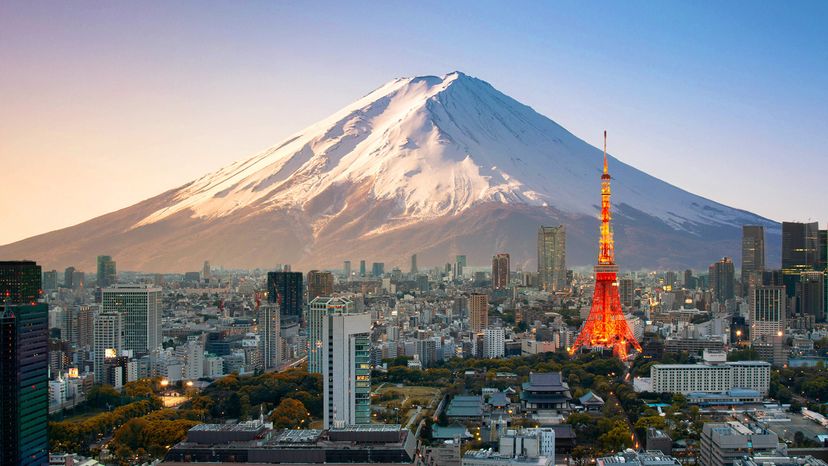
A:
x: 106, y: 271
x: 193, y: 358
x: 494, y: 340
x: 377, y: 269
x: 822, y: 264
x: 346, y: 269
x: 800, y: 252
x: 810, y: 293
x: 346, y: 368
x: 413, y: 264
x: 318, y: 309
x: 767, y: 316
x: 24, y: 365
x: 285, y: 289
x: 362, y: 268
x: 552, y: 258
x: 690, y: 282
x: 626, y: 290
x: 722, y: 279
x: 206, y: 271
x: 500, y: 271
x: 50, y: 280
x: 140, y: 310
x: 478, y: 312
x: 319, y: 284
x: 459, y: 264
x: 108, y: 331
x: 20, y: 282
x: 753, y: 255
x: 269, y: 328
x: 68, y: 274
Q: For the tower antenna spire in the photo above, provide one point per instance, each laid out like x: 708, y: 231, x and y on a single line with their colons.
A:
x: 606, y: 169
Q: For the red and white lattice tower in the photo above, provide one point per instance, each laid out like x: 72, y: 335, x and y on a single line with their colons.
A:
x: 606, y: 326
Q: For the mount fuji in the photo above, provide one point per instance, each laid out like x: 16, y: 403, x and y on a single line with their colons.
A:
x: 431, y: 165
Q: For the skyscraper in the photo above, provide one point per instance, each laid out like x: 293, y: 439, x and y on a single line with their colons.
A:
x: 823, y: 250
x: 50, y: 280
x: 767, y: 317
x: 413, y: 264
x: 800, y: 252
x: 478, y: 312
x: 346, y: 367
x: 68, y: 275
x: 347, y: 269
x: 206, y: 271
x: 810, y: 293
x: 108, y: 331
x: 24, y: 366
x: 626, y: 290
x: 377, y: 269
x: 318, y: 309
x: 552, y: 258
x: 753, y: 255
x: 319, y: 284
x: 140, y: 310
x: 106, y: 271
x: 459, y: 265
x: 269, y: 329
x: 722, y: 277
x: 285, y: 290
x: 500, y: 271
x: 362, y: 268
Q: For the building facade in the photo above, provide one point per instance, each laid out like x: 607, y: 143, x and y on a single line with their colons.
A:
x: 478, y: 312
x: 711, y: 378
x: 285, y: 289
x: 346, y: 372
x: 268, y: 325
x: 140, y: 309
x: 552, y: 258
x: 753, y: 255
x: 24, y: 365
x: 500, y: 271
x: 319, y: 284
x: 107, y: 333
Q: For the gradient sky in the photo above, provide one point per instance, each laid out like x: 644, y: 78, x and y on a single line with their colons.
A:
x: 104, y: 104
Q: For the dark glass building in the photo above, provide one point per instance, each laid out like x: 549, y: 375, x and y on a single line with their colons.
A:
x: 800, y: 252
x: 285, y: 289
x: 753, y: 255
x: 106, y: 271
x: 24, y: 365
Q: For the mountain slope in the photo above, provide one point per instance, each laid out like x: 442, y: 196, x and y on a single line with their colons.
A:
x: 434, y: 165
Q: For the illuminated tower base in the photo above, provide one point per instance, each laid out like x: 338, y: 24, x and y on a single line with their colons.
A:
x: 606, y: 326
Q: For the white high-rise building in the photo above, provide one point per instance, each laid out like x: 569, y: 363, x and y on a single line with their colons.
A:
x: 140, y: 310
x: 194, y: 358
x: 767, y: 317
x: 318, y: 308
x: 269, y: 337
x: 494, y: 341
x: 107, y: 331
x: 346, y: 368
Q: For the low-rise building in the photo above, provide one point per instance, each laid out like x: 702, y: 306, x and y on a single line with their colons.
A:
x: 723, y: 443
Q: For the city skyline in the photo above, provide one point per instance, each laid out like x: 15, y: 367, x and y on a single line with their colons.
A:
x: 101, y: 123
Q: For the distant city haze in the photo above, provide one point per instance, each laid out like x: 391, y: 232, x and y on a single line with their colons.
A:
x: 104, y: 105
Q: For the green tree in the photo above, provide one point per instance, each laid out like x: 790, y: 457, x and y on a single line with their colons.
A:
x: 290, y: 414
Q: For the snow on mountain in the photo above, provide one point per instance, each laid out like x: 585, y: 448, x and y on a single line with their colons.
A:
x: 417, y: 154
x: 436, y: 146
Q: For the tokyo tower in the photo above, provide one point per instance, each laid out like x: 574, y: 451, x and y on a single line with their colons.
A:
x: 606, y: 326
